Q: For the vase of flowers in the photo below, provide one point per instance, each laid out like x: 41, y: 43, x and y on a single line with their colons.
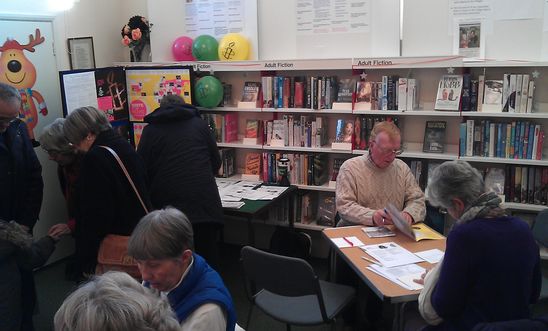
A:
x: 136, y: 35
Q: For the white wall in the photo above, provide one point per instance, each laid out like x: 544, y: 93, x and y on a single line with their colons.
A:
x: 426, y: 32
x: 100, y: 19
x: 276, y: 32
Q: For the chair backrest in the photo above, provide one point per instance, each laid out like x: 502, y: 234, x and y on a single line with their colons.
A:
x: 282, y: 275
x: 540, y: 227
x: 534, y: 324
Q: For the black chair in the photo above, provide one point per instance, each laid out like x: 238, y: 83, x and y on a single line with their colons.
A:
x: 540, y: 232
x: 533, y: 324
x: 288, y: 290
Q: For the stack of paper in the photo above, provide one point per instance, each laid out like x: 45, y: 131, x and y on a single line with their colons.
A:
x: 402, y: 275
x: 345, y: 242
x: 390, y: 254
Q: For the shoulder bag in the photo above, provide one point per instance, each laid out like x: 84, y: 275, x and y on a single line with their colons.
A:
x: 112, y: 253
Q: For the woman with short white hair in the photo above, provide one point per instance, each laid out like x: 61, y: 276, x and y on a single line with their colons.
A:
x: 114, y: 301
x: 491, y: 268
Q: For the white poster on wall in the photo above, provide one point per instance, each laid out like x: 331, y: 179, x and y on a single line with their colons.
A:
x: 332, y: 16
x: 214, y: 17
x: 462, y: 11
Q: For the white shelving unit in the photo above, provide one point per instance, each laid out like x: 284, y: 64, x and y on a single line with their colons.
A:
x: 427, y: 70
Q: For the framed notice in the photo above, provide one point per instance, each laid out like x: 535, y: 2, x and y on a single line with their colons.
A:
x: 81, y: 53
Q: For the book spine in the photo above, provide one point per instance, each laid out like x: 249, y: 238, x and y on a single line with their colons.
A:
x: 524, y: 94
x: 481, y: 87
x: 466, y: 91
x: 402, y: 93
x: 469, y: 137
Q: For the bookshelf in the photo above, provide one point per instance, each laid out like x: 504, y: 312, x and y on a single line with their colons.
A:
x: 426, y: 70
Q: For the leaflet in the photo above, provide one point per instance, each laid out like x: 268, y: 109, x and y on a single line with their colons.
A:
x: 402, y: 275
x: 390, y: 254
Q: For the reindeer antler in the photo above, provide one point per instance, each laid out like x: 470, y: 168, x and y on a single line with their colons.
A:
x: 33, y: 41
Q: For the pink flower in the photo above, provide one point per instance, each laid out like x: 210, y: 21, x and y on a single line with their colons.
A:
x: 136, y: 34
x: 126, y: 40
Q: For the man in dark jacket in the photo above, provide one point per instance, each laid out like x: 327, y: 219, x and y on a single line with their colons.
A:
x: 181, y: 158
x: 20, y: 182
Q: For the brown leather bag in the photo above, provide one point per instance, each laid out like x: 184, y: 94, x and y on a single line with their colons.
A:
x: 112, y: 255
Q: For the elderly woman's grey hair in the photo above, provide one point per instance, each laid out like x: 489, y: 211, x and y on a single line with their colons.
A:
x: 454, y: 179
x: 9, y: 93
x: 114, y: 301
x: 83, y: 121
x: 161, y: 234
x: 172, y: 99
x: 53, y: 138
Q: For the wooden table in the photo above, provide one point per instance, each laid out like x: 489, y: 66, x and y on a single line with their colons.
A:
x: 385, y: 289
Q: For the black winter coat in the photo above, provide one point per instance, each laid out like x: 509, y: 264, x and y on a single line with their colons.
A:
x: 105, y: 201
x: 21, y: 182
x: 181, y: 157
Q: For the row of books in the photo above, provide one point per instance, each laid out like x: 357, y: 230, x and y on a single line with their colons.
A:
x: 358, y: 130
x: 303, y: 130
x: 298, y: 92
x: 224, y: 126
x: 228, y: 162
x: 304, y: 168
x: 514, y: 93
x: 519, y: 184
x: 515, y: 140
x: 391, y: 93
x: 313, y: 206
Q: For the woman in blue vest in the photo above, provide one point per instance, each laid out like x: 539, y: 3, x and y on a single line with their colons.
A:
x: 162, y: 243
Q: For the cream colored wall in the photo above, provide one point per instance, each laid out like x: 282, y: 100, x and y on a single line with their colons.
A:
x: 100, y: 19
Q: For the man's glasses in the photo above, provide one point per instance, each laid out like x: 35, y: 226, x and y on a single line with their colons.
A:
x: 389, y: 151
x: 4, y: 120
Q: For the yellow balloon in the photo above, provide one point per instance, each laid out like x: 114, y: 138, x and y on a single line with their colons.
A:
x: 233, y: 47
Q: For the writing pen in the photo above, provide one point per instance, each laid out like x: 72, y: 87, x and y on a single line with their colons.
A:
x: 370, y: 260
x: 383, y: 219
x: 348, y: 241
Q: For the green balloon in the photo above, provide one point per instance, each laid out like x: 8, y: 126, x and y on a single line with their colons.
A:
x: 208, y: 92
x: 205, y: 48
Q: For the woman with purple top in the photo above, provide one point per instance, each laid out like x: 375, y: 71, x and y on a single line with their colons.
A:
x: 491, y: 268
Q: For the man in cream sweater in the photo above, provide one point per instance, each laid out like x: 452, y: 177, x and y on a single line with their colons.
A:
x: 365, y: 186
x: 368, y: 183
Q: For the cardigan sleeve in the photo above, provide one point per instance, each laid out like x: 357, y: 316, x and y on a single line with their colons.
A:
x: 346, y: 198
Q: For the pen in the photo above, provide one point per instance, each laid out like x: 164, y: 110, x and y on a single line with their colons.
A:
x: 348, y: 241
x: 383, y: 220
x: 370, y: 260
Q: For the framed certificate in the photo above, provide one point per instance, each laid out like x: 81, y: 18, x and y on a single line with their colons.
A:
x: 81, y: 53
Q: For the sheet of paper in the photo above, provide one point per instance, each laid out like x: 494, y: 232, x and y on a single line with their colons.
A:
x: 232, y: 204
x: 409, y: 280
x: 390, y: 254
x: 431, y: 255
x: 345, y: 242
x: 395, y: 273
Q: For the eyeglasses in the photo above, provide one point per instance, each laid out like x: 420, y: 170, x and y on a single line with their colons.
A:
x: 389, y: 151
x: 4, y: 120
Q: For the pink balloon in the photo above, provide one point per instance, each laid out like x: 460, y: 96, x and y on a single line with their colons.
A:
x: 182, y: 49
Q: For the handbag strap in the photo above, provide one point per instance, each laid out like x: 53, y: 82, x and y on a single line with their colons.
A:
x: 127, y: 175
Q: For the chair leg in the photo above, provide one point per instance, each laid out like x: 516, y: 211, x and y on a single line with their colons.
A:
x: 249, y: 316
x: 288, y: 327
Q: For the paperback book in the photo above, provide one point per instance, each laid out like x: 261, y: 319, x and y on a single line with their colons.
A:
x: 449, y: 92
x: 434, y: 137
x: 251, y: 91
x: 492, y: 96
x: 346, y: 90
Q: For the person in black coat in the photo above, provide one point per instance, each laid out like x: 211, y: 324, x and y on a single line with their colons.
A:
x: 105, y: 201
x: 181, y: 158
x: 21, y: 185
